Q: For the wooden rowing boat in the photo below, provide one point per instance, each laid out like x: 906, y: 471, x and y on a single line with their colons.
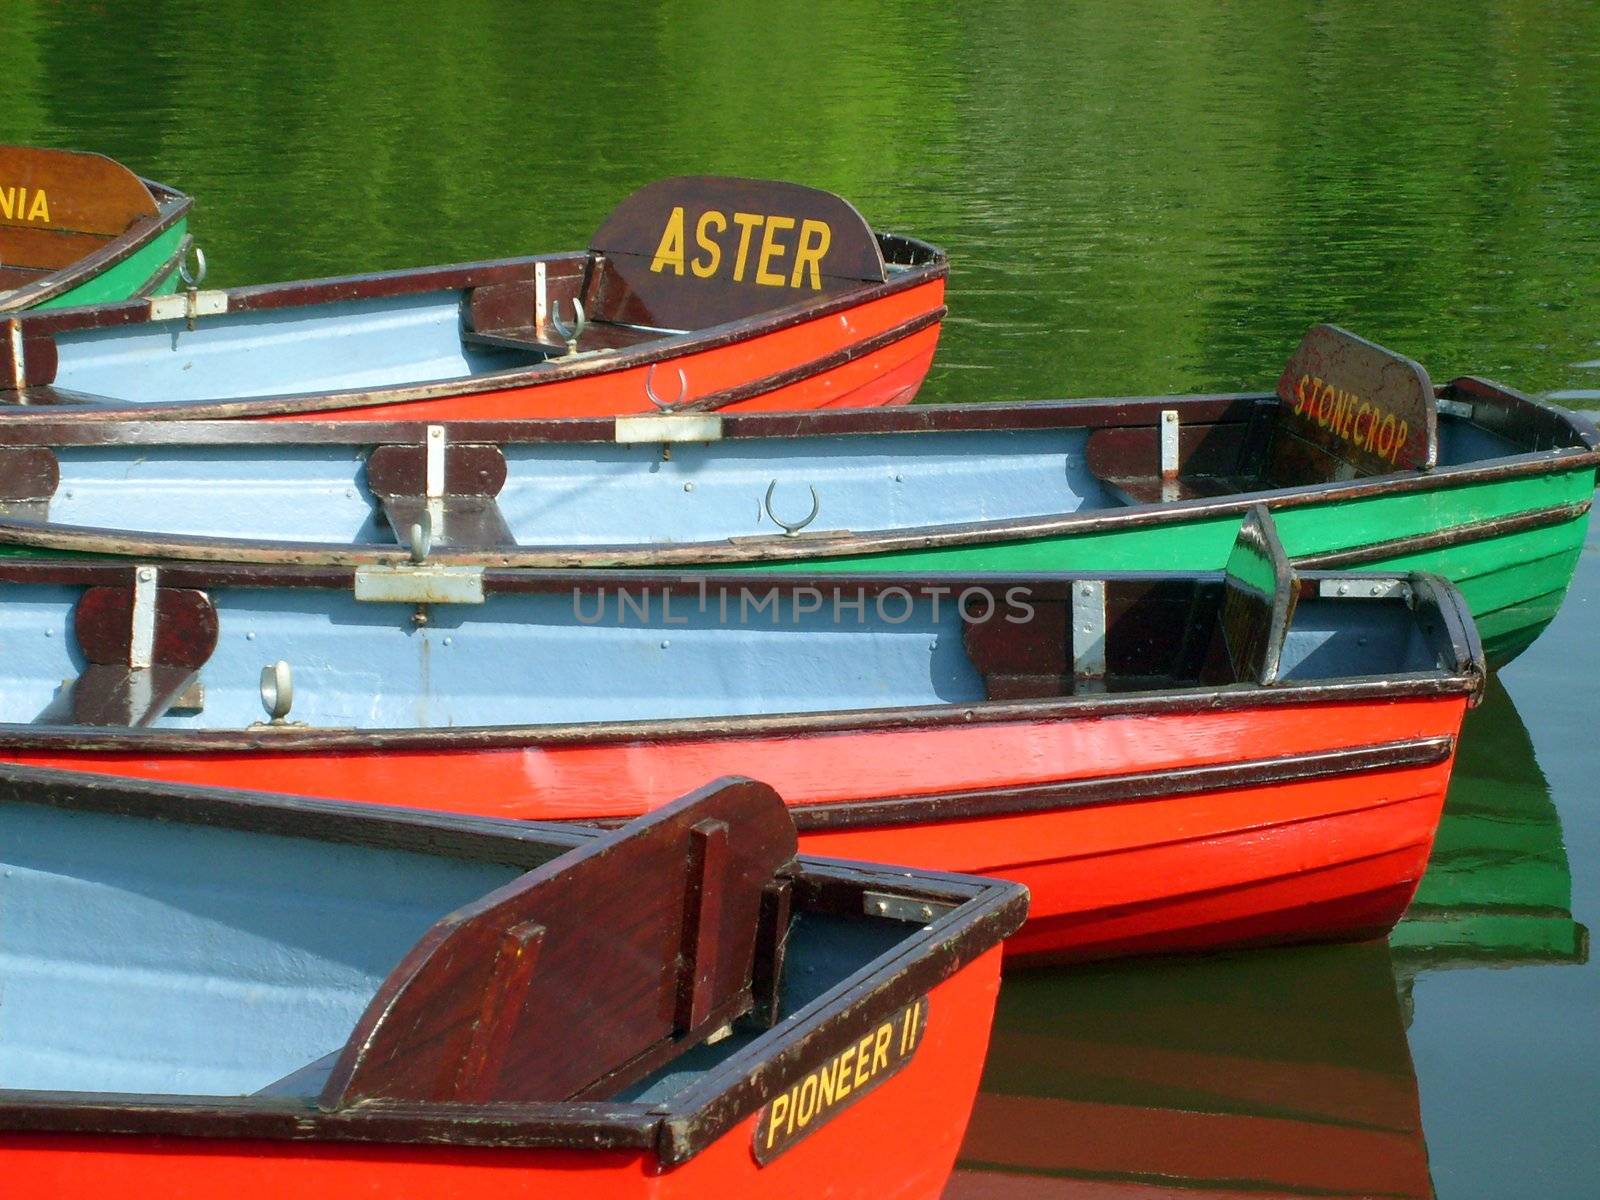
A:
x: 696, y: 294
x: 1167, y: 761
x: 81, y: 229
x: 209, y: 994
x: 1275, y: 1075
x: 1490, y: 488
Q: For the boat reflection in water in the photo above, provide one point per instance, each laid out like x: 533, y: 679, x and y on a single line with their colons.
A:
x: 1268, y: 1074
x: 1281, y: 1073
x: 1498, y: 891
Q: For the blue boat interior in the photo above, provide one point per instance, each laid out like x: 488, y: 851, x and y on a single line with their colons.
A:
x: 165, y: 958
x: 624, y: 650
x: 586, y: 494
x: 344, y: 345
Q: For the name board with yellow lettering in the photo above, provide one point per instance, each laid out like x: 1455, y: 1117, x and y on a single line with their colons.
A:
x: 69, y: 192
x: 822, y: 1092
x: 1366, y: 406
x: 698, y: 250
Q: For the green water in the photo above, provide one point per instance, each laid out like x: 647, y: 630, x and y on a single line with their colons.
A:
x: 1137, y: 198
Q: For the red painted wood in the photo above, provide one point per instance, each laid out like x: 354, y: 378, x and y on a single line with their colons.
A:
x: 889, y: 375
x: 1303, y: 860
x: 899, y: 1141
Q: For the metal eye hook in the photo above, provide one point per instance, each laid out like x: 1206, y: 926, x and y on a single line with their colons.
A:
x: 193, y: 279
x: 277, y: 690
x: 420, y: 537
x: 650, y: 390
x: 791, y: 528
x: 570, y: 335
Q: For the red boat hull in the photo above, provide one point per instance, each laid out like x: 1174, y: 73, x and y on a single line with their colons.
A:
x: 1252, y: 857
x: 867, y: 356
x: 898, y: 1142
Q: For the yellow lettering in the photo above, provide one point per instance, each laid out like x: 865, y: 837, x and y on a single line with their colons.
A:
x: 1325, y: 405
x: 670, y: 252
x: 815, y: 238
x: 1386, y: 436
x: 1400, y: 440
x: 770, y: 249
x: 747, y: 223
x: 808, y: 1100
x: 707, y: 268
x: 1301, y: 395
x: 6, y: 200
x: 826, y: 1079
x: 862, y: 1061
x: 41, y: 208
x: 1355, y: 428
x: 780, y: 1109
x: 842, y: 1070
x: 880, y: 1048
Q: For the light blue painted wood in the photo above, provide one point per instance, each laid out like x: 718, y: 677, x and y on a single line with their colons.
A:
x: 144, y: 956
x: 1328, y: 639
x: 575, y: 494
x: 349, y: 345
x: 309, y: 493
x: 540, y: 659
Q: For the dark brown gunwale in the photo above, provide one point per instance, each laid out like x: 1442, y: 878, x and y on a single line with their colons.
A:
x: 1459, y: 671
x: 116, y: 250
x: 983, y: 912
x: 1127, y: 788
x: 776, y: 548
x: 265, y: 297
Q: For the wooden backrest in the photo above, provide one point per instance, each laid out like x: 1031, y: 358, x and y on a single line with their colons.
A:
x: 1350, y: 408
x: 1258, y: 601
x: 698, y: 250
x: 587, y: 973
x: 58, y: 205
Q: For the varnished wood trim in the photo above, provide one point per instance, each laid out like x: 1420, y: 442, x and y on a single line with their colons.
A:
x: 1120, y: 789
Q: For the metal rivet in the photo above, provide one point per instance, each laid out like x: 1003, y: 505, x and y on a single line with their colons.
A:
x: 1376, y: 589
x: 926, y: 911
x: 449, y: 641
x: 146, y: 574
x: 250, y: 637
x: 665, y: 644
x: 1087, y: 590
x: 882, y: 906
x: 436, y: 432
x: 689, y: 487
x: 1344, y: 589
x: 49, y: 633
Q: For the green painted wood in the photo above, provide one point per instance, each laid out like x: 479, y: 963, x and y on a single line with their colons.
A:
x: 1513, y: 582
x: 1498, y: 889
x: 125, y: 279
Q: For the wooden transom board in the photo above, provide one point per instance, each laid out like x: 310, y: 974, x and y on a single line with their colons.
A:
x: 1366, y: 406
x: 57, y: 205
x: 590, y: 970
x: 699, y: 250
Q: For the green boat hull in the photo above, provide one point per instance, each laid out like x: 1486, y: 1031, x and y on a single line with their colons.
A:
x: 1514, y: 547
x: 156, y: 260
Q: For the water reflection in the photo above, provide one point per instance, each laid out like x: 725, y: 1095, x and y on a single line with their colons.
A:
x: 1498, y: 891
x: 1282, y: 1073
x: 1277, y: 1074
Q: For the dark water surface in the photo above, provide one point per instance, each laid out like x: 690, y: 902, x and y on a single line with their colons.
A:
x: 1137, y: 199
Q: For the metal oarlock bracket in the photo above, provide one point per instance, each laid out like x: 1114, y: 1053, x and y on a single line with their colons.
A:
x: 1169, y: 443
x: 277, y: 691
x: 790, y: 528
x: 1089, y: 629
x: 571, y: 334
